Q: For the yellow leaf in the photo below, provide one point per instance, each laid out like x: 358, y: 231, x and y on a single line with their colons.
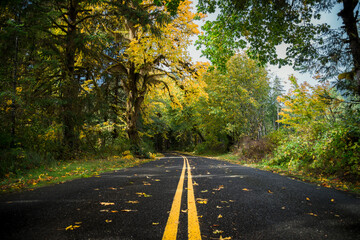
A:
x: 245, y: 189
x: 220, y: 216
x: 140, y: 194
x: 69, y: 228
x: 107, y: 203
x: 108, y: 221
x: 128, y: 210
x: 201, y: 200
x: 269, y: 191
x: 313, y: 214
x: 219, y: 188
x: 226, y: 238
x: 72, y: 227
x: 132, y: 202
x: 307, y: 199
x: 155, y: 223
x: 217, y: 231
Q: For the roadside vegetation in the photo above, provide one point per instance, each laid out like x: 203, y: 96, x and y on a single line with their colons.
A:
x: 84, y: 82
x: 58, y: 172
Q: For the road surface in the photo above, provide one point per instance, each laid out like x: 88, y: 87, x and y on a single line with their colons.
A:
x: 180, y: 197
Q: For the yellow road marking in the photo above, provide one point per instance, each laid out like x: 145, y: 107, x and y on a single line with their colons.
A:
x: 193, y: 222
x: 173, y: 221
x: 171, y: 227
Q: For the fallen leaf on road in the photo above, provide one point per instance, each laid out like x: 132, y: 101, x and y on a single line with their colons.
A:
x: 128, y: 210
x: 114, y: 211
x: 220, y: 216
x: 226, y: 238
x: 72, y: 227
x: 108, y: 221
x: 307, y: 199
x: 219, y: 188
x: 245, y: 189
x: 141, y: 194
x: 269, y: 191
x: 224, y: 202
x: 201, y: 200
x: 112, y: 188
x: 195, y: 183
x: 132, y: 202
x: 218, y: 207
x: 204, y: 191
x: 312, y: 214
x: 184, y: 211
x: 146, y: 183
x: 332, y: 200
x: 217, y: 231
x: 157, y: 180
x: 283, y: 208
x: 155, y: 223
x: 107, y: 203
x: 104, y: 210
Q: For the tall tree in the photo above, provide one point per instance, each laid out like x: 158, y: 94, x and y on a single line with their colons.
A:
x: 145, y: 56
x: 267, y: 24
x: 237, y: 98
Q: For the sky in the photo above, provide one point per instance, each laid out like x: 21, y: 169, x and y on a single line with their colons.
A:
x: 284, y: 72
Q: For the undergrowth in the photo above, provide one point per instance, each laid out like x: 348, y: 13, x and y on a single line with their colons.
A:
x: 55, y: 172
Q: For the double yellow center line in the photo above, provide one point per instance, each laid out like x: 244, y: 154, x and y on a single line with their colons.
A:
x: 173, y: 220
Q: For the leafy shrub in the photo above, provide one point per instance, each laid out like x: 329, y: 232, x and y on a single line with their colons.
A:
x: 336, y: 153
x: 17, y: 160
x: 293, y: 152
x: 251, y: 150
x: 210, y: 146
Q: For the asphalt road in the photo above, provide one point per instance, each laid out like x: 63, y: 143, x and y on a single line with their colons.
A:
x: 149, y: 202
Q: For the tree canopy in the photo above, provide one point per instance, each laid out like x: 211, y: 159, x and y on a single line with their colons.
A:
x: 264, y: 25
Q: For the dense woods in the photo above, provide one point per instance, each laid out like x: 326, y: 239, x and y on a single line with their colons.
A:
x: 98, y: 78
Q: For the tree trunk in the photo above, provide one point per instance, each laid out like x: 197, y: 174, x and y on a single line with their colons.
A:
x: 133, y: 106
x: 14, y: 85
x: 347, y: 14
x: 115, y: 133
x: 71, y: 85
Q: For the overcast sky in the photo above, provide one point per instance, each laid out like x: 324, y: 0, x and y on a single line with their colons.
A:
x: 284, y: 72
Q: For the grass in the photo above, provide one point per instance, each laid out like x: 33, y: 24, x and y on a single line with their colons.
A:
x: 60, y: 172
x: 306, y: 176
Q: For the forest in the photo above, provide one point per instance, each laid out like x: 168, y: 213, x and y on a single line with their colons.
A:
x: 99, y: 78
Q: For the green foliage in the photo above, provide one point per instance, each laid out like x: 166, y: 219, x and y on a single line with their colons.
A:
x: 211, y: 146
x: 311, y: 45
x: 238, y: 99
x: 321, y: 133
x: 17, y: 161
